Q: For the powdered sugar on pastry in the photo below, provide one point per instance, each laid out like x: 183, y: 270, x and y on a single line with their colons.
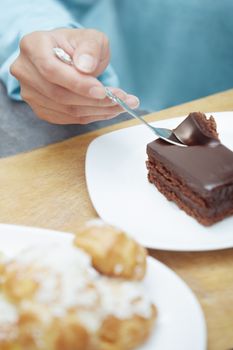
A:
x: 8, y: 320
x: 8, y: 313
x: 66, y: 280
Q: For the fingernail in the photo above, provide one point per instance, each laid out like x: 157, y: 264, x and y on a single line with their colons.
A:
x: 97, y: 92
x: 132, y: 101
x: 86, y: 63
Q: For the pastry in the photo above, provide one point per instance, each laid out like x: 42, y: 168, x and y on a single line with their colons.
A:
x: 52, y: 298
x: 113, y: 252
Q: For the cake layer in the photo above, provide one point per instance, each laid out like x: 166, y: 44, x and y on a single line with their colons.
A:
x: 198, y: 178
x: 205, y: 212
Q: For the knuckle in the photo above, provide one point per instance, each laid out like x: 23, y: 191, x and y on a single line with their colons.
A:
x: 43, y: 115
x: 25, y: 44
x: 98, y: 36
x: 92, y: 32
x: 28, y: 41
x: 17, y: 69
x: 25, y: 95
x: 14, y: 69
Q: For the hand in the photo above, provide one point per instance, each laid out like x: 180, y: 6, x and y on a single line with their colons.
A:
x: 61, y: 93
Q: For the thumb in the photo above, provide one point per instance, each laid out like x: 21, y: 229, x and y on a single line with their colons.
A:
x: 92, y: 54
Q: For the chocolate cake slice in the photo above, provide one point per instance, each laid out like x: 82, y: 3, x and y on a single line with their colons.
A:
x: 198, y: 178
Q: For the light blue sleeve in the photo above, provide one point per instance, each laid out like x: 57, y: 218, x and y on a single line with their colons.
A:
x: 18, y: 18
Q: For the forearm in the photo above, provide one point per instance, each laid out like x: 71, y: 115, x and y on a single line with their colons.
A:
x: 18, y: 18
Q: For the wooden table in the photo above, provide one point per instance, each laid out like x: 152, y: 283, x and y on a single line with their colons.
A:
x: 46, y: 188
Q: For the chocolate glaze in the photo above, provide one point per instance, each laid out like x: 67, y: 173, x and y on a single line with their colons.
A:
x: 206, y: 166
x: 191, y: 133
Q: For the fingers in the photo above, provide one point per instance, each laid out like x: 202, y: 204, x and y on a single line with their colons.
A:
x: 33, y: 86
x: 92, y: 54
x: 55, y: 71
x: 55, y: 117
x: 34, y: 98
x: 60, y: 93
x: 87, y: 56
x: 68, y: 77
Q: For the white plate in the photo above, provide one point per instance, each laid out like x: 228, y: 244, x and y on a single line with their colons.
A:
x: 117, y: 182
x: 180, y: 323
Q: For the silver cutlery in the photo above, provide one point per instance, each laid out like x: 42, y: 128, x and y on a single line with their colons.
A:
x: 163, y: 133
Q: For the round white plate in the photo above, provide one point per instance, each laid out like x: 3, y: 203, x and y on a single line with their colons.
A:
x: 180, y: 323
x: 116, y: 177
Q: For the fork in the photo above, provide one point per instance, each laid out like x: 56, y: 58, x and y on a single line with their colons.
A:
x: 163, y: 133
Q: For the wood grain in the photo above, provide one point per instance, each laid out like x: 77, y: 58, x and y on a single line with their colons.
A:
x: 46, y: 188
